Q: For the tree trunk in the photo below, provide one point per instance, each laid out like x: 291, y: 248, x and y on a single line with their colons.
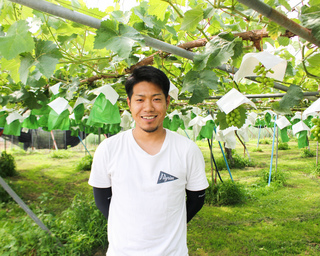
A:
x: 229, y: 155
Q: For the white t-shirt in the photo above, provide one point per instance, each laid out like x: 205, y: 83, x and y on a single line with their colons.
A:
x: 147, y: 215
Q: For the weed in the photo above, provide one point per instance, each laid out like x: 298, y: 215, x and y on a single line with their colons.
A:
x: 17, y: 151
x: 4, y: 196
x: 278, y: 177
x: 283, y: 146
x: 238, y: 162
x: 257, y: 150
x: 307, y: 153
x: 80, y: 228
x: 59, y: 154
x: 226, y: 193
x: 85, y: 163
x: 7, y: 165
x: 265, y: 141
x: 316, y: 171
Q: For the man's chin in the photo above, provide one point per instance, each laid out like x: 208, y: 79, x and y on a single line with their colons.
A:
x: 151, y: 130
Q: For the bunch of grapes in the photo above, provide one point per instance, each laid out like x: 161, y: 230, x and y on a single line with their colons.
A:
x: 233, y: 118
x: 316, y: 129
x: 261, y: 71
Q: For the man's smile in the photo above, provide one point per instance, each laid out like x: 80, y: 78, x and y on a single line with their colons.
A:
x: 148, y: 117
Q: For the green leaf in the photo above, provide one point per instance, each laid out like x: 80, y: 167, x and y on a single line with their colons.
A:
x: 275, y: 30
x: 285, y: 4
x: 64, y: 39
x: 314, y: 60
x: 199, y: 83
x: 217, y: 52
x: 284, y: 41
x: 47, y: 56
x: 194, y: 79
x: 17, y: 40
x: 191, y: 19
x: 281, y: 110
x: 118, y: 38
x: 291, y: 99
x: 199, y: 94
x: 157, y: 8
x: 221, y: 119
x: 12, y: 66
x: 293, y: 96
x: 27, y: 61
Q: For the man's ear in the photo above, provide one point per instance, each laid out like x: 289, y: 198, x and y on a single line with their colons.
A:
x: 129, y: 102
x: 168, y: 101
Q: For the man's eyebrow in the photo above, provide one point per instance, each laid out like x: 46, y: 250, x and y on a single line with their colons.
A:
x: 143, y: 95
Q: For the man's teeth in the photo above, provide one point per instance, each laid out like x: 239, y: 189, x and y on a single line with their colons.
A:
x: 148, y: 117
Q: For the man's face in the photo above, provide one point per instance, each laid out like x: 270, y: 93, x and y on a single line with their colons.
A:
x: 148, y: 106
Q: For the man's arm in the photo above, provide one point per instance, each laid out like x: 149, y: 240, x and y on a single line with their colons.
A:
x: 195, y: 201
x: 102, y: 197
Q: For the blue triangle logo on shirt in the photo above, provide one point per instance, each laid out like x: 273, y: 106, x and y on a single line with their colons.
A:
x: 165, y: 177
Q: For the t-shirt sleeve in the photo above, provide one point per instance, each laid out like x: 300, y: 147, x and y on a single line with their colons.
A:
x: 99, y: 177
x: 196, y: 177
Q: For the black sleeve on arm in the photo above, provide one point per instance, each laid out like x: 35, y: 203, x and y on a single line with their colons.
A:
x: 102, y: 197
x: 195, y: 201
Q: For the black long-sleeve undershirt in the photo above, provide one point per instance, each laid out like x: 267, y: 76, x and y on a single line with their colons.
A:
x: 195, y: 201
x: 102, y: 198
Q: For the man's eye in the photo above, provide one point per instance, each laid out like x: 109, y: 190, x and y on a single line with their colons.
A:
x: 157, y: 99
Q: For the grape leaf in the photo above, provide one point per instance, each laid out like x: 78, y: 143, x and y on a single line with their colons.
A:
x: 27, y: 61
x: 191, y: 19
x: 314, y: 61
x: 118, y: 38
x: 157, y: 8
x: 63, y: 39
x: 275, y: 30
x: 285, y: 4
x: 199, y: 83
x: 17, y: 40
x: 217, y: 52
x: 310, y: 19
x: 199, y: 94
x: 47, y: 56
x: 292, y: 98
x: 276, y: 107
x: 12, y: 66
x: 204, y: 78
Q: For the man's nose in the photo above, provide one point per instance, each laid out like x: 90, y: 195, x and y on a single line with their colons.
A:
x: 149, y: 105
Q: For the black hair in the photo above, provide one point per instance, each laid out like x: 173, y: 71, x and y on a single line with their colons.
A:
x: 149, y: 74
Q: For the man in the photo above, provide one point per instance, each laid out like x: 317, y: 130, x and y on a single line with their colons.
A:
x: 144, y: 175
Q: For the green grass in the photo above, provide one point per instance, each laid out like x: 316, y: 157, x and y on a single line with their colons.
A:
x: 273, y: 220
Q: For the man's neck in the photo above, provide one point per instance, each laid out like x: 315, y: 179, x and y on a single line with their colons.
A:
x: 151, y: 142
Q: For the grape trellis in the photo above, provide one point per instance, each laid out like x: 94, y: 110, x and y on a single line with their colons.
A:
x: 62, y: 53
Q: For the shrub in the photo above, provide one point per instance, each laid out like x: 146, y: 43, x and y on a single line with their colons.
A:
x: 278, y: 177
x: 80, y: 228
x: 85, y: 163
x: 226, y: 193
x: 238, y: 162
x: 283, y: 146
x: 7, y: 165
x: 265, y: 141
x: 307, y: 153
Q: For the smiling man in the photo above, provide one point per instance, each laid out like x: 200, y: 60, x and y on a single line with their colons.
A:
x: 148, y: 182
